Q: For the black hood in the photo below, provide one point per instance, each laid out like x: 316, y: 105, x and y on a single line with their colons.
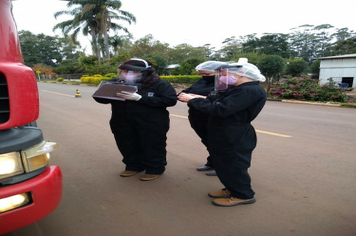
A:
x: 209, y: 79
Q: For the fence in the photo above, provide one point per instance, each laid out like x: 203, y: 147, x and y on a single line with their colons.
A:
x: 70, y: 76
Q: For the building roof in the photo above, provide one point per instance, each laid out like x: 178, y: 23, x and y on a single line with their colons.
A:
x: 338, y: 57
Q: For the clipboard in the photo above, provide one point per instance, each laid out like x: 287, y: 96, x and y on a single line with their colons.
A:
x: 109, y: 90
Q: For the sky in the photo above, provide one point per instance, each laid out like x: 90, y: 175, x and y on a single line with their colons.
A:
x: 200, y: 22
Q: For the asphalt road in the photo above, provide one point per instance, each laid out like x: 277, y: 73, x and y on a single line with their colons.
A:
x: 303, y: 172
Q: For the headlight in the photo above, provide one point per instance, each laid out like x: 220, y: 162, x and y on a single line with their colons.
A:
x: 10, y: 165
x: 37, y: 156
x: 13, y: 202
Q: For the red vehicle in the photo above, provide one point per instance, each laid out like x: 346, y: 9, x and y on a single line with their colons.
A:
x: 30, y: 189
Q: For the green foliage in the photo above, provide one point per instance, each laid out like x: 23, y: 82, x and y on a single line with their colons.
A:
x: 296, y: 67
x: 184, y: 79
x: 307, y: 89
x: 351, y: 105
x: 40, y: 49
x: 159, y: 63
x: 187, y: 67
x: 269, y: 44
x: 69, y: 66
x: 253, y: 57
x: 271, y: 65
x: 315, y: 69
x: 347, y: 46
x: 59, y: 80
x: 94, y: 18
x: 87, y: 60
x: 111, y: 75
x: 183, y: 52
x: 117, y: 60
x: 91, y: 65
x: 96, y: 79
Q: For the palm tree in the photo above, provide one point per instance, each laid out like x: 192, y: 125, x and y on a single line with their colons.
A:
x: 81, y: 22
x: 118, y: 41
x: 95, y: 17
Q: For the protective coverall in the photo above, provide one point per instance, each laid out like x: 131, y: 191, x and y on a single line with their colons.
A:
x: 231, y: 137
x: 199, y: 120
x: 140, y: 127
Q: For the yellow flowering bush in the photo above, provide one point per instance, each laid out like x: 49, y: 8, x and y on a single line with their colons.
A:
x: 96, y: 79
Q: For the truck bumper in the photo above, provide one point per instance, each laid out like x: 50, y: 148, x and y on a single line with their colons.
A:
x: 45, y: 190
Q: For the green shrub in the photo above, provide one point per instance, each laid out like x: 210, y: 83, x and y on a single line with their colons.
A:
x: 307, y: 89
x: 111, y: 75
x: 352, y: 105
x: 96, y: 79
x: 184, y: 79
x: 59, y: 79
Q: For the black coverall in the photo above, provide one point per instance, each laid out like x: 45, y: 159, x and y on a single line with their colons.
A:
x: 231, y: 137
x: 198, y: 119
x: 140, y: 127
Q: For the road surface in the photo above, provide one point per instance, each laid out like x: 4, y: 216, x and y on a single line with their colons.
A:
x: 303, y: 172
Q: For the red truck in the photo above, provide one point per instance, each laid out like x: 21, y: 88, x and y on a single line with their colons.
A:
x: 30, y: 188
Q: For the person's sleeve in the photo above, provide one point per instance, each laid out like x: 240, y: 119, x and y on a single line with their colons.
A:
x: 230, y: 104
x: 165, y: 96
x: 102, y: 100
x: 200, y: 87
x: 187, y: 90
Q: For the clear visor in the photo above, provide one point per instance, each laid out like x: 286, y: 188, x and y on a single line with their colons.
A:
x: 130, y: 77
x: 219, y: 85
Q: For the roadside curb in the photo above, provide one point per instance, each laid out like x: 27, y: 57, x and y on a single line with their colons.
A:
x: 271, y: 99
x: 308, y: 103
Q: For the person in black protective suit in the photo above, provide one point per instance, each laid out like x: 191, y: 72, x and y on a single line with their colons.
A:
x: 231, y: 136
x: 198, y: 120
x: 140, y: 123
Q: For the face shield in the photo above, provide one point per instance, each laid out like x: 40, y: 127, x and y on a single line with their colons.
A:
x: 130, y: 77
x: 224, y: 77
x: 219, y: 85
x: 131, y: 74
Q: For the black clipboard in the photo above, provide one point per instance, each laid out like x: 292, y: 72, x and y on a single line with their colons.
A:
x: 109, y: 90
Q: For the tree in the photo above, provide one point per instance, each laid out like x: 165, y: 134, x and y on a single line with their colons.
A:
x: 159, y: 63
x: 69, y: 66
x: 182, y: 52
x: 40, y: 49
x: 187, y: 67
x: 296, y: 67
x: 310, y: 42
x: 342, y: 47
x: 117, y: 42
x: 105, y: 11
x: 323, y: 39
x: 315, y: 69
x: 148, y: 46
x: 95, y: 17
x: 343, y: 34
x: 269, y: 44
x: 231, y: 47
x: 302, y: 43
x: 253, y: 57
x: 68, y: 49
x: 271, y: 66
x: 43, y: 71
x: 81, y: 22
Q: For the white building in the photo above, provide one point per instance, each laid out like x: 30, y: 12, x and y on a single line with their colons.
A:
x: 341, y: 69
